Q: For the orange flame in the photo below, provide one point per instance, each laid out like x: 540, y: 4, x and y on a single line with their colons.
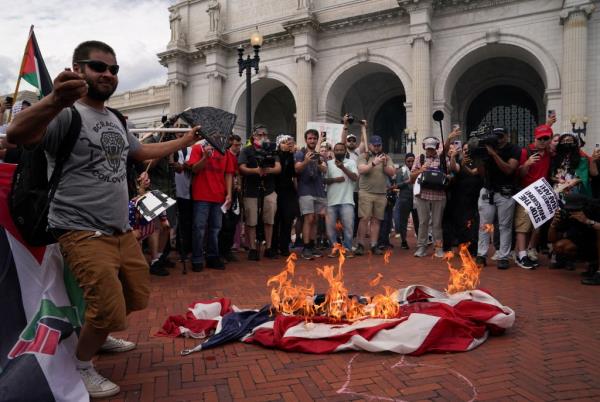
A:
x: 465, y: 277
x: 386, y: 256
x: 288, y: 298
x: 338, y: 227
x: 488, y: 227
x: 376, y: 280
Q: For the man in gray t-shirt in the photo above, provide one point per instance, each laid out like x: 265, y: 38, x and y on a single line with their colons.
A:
x: 89, y: 213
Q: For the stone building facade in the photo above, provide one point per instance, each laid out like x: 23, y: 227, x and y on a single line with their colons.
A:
x: 393, y: 62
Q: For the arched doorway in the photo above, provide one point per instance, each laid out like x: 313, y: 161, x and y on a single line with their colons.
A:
x: 277, y: 111
x: 505, y: 106
x: 370, y: 91
x: 503, y: 92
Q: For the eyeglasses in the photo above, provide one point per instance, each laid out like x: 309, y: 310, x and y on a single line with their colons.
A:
x: 543, y: 138
x: 100, y: 66
x: 351, y: 140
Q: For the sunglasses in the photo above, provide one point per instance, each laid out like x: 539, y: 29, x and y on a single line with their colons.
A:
x: 543, y: 139
x: 100, y: 66
x: 351, y: 140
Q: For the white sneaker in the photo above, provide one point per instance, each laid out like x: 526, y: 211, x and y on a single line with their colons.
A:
x: 421, y: 252
x: 397, y: 236
x: 96, y: 385
x: 116, y: 345
x: 496, y: 256
x: 439, y: 252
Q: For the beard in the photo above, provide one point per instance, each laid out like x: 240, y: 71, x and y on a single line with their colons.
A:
x: 96, y: 93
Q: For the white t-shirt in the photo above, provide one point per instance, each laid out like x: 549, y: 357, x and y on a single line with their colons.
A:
x: 183, y: 179
x: 340, y: 193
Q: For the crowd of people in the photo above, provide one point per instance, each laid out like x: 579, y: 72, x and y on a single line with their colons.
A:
x: 272, y: 198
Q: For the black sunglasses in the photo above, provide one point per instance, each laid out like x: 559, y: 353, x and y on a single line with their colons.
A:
x: 351, y: 140
x: 100, y: 66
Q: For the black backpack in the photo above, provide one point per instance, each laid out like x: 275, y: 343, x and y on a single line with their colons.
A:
x: 32, y: 191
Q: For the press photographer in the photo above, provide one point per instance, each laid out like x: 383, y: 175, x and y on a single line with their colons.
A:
x: 259, y: 164
x: 498, y: 169
x: 575, y: 234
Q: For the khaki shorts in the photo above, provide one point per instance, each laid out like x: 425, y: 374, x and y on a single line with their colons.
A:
x: 522, y: 222
x: 268, y: 213
x: 312, y: 205
x: 111, y: 271
x: 371, y: 205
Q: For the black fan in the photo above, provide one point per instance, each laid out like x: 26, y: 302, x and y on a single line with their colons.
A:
x: 216, y: 124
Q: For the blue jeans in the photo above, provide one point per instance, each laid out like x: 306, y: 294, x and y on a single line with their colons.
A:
x: 206, y: 214
x: 345, y: 213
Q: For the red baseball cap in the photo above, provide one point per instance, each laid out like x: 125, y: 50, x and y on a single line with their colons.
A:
x: 543, y: 131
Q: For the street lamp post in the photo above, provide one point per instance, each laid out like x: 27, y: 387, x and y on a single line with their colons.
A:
x: 247, y: 65
x: 411, y: 139
x: 579, y: 131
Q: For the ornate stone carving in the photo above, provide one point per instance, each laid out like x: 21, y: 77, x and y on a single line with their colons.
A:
x: 362, y: 55
x: 263, y: 72
x: 587, y: 9
x: 177, y: 81
x: 492, y: 36
x: 411, y: 39
x: 177, y: 34
x: 214, y: 16
x: 304, y: 5
x: 306, y: 58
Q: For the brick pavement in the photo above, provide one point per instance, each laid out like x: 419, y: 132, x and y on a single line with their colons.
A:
x: 552, y: 352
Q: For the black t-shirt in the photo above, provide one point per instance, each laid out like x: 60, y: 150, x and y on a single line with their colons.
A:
x: 495, y: 177
x: 284, y: 181
x: 251, y: 182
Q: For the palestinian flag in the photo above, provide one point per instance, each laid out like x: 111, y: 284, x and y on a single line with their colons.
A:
x: 41, y: 314
x: 33, y: 68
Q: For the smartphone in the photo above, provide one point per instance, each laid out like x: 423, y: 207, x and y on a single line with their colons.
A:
x: 551, y: 113
x: 458, y: 145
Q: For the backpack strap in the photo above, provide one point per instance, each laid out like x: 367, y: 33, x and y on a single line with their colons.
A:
x: 64, y: 151
x: 119, y: 116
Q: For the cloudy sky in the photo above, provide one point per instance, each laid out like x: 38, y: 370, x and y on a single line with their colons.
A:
x: 136, y: 29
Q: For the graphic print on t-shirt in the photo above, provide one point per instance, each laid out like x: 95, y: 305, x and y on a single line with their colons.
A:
x: 107, y: 159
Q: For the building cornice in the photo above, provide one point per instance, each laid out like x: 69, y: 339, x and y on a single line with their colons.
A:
x: 178, y: 54
x: 450, y: 6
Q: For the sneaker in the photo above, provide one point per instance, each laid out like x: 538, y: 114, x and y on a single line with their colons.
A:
x: 158, y: 269
x: 439, y: 253
x: 429, y: 240
x: 271, y: 253
x: 315, y: 252
x: 593, y: 281
x: 360, y: 250
x: 197, y: 266
x: 116, y: 345
x: 480, y: 260
x: 166, y: 262
x: 525, y: 263
x: 590, y: 271
x: 404, y: 245
x: 376, y: 250
x: 502, y: 264
x: 349, y: 254
x: 215, y: 263
x: 421, y: 252
x: 334, y: 253
x: 307, y: 253
x: 97, y: 386
x: 253, y: 255
x: 496, y: 256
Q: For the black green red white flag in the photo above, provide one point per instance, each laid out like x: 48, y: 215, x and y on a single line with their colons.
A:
x: 41, y: 314
x: 33, y: 68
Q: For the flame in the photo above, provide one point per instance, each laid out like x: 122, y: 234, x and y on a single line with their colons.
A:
x: 376, y: 280
x: 338, y: 305
x: 488, y: 227
x: 338, y: 226
x: 386, y: 256
x: 469, y: 224
x: 465, y: 277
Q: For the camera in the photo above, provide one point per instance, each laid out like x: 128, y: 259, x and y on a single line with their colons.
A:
x: 265, y: 155
x: 578, y: 202
x: 350, y: 118
x: 480, y: 139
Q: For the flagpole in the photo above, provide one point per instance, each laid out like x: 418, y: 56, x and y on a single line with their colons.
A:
x: 20, y: 73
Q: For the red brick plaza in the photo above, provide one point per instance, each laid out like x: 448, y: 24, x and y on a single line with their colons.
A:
x: 552, y: 352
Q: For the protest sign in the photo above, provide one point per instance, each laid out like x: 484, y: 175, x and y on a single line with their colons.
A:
x: 153, y: 203
x: 334, y: 131
x: 539, y: 200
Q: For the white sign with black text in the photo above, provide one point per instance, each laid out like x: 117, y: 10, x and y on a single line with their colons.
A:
x: 539, y: 200
x: 333, y: 131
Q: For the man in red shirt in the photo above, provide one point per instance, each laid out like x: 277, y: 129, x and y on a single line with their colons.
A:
x: 534, y: 164
x: 211, y: 188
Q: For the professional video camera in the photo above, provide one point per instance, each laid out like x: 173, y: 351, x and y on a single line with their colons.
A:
x: 478, y: 140
x: 579, y: 202
x: 265, y: 155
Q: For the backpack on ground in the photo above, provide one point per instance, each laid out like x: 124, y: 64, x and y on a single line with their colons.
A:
x: 32, y: 192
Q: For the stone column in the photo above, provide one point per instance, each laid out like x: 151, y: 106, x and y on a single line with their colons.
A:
x: 574, y: 71
x: 305, y: 95
x: 215, y: 89
x: 421, y: 71
x: 176, y: 95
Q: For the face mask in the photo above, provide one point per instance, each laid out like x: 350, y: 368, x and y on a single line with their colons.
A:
x: 566, y: 148
x: 340, y: 157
